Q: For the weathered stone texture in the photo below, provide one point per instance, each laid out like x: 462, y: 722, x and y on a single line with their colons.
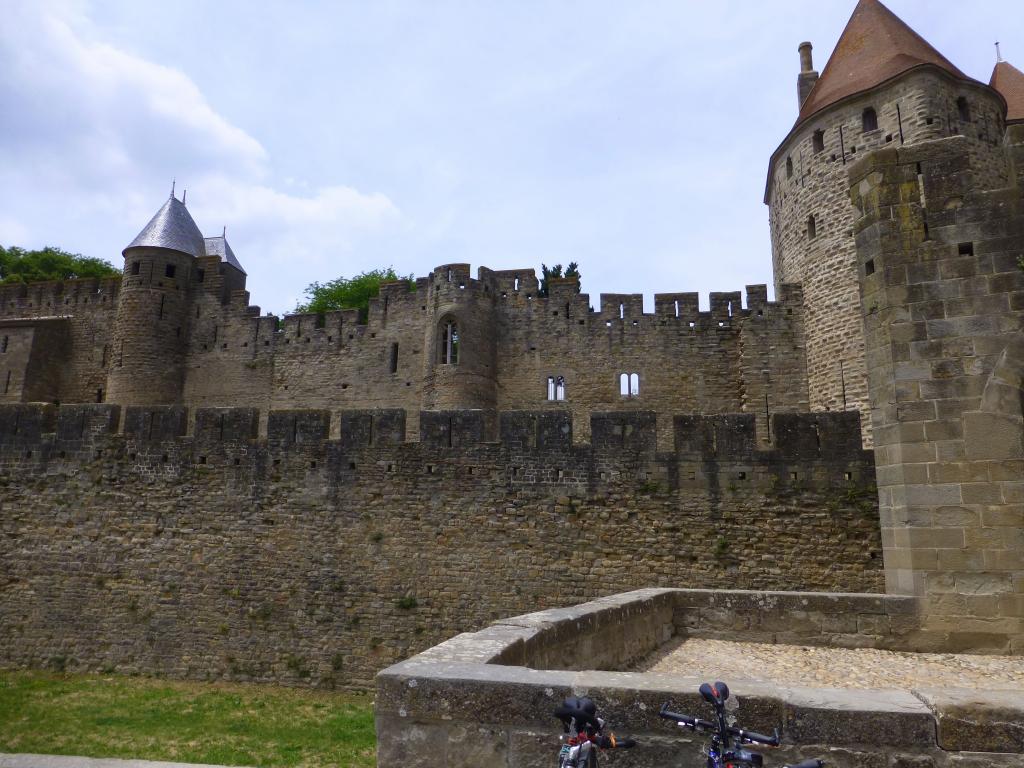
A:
x: 941, y: 281
x: 56, y: 340
x: 501, y: 684
x: 917, y: 107
x: 298, y: 558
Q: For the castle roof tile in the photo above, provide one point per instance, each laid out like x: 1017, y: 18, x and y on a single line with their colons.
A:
x: 172, y: 227
x: 875, y: 46
x: 218, y: 246
x: 1009, y: 81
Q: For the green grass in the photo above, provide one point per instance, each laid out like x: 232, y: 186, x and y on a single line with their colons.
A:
x: 229, y: 724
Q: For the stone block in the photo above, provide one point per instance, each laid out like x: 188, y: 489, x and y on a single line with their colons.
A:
x: 993, y: 436
x: 977, y: 721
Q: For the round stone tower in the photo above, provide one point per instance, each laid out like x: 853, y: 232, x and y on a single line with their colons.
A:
x: 883, y: 86
x: 147, y: 366
x: 460, y: 350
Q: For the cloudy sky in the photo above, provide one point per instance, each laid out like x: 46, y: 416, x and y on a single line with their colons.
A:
x: 334, y: 137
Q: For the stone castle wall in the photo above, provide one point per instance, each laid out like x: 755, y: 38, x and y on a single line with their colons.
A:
x: 193, y: 339
x: 299, y: 558
x: 919, y: 106
x: 943, y: 302
x: 56, y: 340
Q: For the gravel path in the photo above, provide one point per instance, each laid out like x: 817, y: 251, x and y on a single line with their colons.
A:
x: 834, y: 667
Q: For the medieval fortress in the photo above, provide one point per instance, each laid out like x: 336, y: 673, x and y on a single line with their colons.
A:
x: 193, y: 488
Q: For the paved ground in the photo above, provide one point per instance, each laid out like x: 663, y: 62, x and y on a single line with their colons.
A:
x: 60, y: 761
x: 835, y: 667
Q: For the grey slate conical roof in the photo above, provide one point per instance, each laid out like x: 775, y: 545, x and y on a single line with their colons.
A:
x: 172, y: 227
x: 218, y: 246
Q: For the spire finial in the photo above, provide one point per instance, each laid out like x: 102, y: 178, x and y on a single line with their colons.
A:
x: 999, y: 56
x: 172, y: 186
x: 224, y: 234
x: 184, y: 196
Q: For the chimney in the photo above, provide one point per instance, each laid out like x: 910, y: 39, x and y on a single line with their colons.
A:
x: 807, y: 77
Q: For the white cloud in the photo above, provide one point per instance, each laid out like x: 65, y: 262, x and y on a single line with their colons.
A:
x: 92, y: 135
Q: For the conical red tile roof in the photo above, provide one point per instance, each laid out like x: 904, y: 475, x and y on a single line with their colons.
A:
x: 1009, y: 81
x: 875, y: 46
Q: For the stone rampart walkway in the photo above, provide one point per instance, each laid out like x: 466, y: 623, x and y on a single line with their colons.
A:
x: 835, y: 667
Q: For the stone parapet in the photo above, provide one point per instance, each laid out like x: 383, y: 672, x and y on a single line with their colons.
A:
x: 487, y: 697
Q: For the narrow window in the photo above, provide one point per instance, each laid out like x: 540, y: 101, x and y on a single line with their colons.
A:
x: 3, y: 347
x: 789, y: 167
x: 99, y: 395
x: 394, y: 358
x: 135, y: 267
x: 515, y: 285
x: 162, y: 307
x: 869, y: 120
x: 560, y: 388
x: 869, y: 267
x: 624, y: 384
x: 622, y: 311
x: 449, y: 343
x: 634, y: 384
x: 7, y: 383
x: 551, y: 387
x: 812, y: 228
x: 964, y: 109
x: 106, y: 353
x: 818, y: 141
x: 200, y: 275
x: 449, y: 275
x: 169, y: 270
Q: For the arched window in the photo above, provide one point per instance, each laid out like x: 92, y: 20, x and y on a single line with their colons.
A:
x: 789, y: 167
x: 449, y: 338
x: 560, y: 388
x: 964, y: 109
x: 869, y: 119
x: 812, y: 228
x: 624, y: 384
x: 818, y: 141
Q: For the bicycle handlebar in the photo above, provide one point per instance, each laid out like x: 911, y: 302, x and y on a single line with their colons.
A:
x: 749, y: 736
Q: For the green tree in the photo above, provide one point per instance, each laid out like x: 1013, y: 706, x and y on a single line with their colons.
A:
x: 20, y: 266
x: 573, y: 270
x: 349, y: 292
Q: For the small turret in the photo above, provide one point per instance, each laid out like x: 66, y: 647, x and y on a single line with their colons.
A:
x: 808, y: 75
x: 150, y: 332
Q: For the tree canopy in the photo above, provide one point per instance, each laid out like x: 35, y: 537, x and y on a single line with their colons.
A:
x: 573, y: 270
x: 20, y: 266
x: 349, y: 292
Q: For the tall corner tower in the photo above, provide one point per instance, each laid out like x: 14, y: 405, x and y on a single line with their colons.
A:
x: 883, y: 86
x: 147, y: 366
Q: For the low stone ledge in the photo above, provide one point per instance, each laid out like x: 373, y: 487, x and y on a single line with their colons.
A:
x: 479, y: 697
x: 981, y: 721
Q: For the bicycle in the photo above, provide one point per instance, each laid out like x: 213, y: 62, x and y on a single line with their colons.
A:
x: 727, y: 741
x: 584, y: 734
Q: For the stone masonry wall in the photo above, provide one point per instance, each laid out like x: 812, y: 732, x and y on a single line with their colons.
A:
x: 298, y: 558
x: 919, y: 106
x: 86, y: 309
x: 943, y: 302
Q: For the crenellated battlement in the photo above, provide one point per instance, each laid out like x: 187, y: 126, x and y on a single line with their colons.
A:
x: 810, y: 447
x: 57, y: 297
